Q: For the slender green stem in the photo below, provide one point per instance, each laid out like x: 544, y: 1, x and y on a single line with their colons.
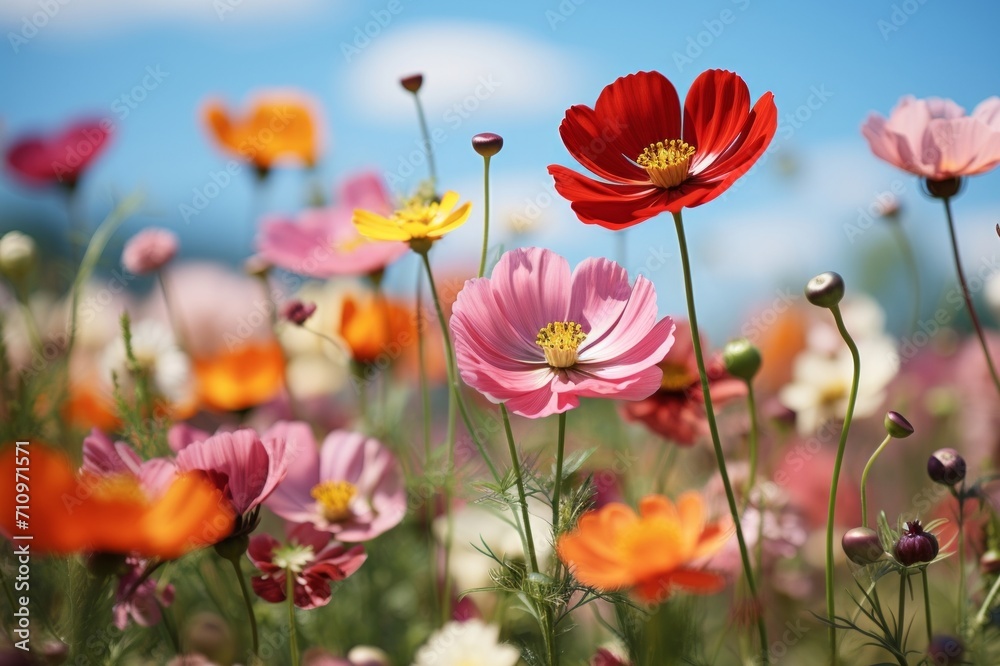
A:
x: 842, y: 445
x: 910, y: 259
x: 987, y: 602
x: 486, y: 213
x: 30, y: 324
x: 557, y: 486
x: 754, y: 433
x: 425, y: 395
x: 293, y: 643
x: 927, y: 605
x: 961, y: 557
x: 663, y: 467
x: 967, y: 296
x: 900, y: 620
x: 248, y: 601
x: 174, y: 316
x: 521, y: 495
x: 714, y: 429
x: 425, y: 132
x: 864, y: 479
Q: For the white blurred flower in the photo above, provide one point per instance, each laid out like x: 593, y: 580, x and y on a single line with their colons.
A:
x: 157, y: 352
x: 822, y: 373
x: 17, y: 254
x: 470, y: 643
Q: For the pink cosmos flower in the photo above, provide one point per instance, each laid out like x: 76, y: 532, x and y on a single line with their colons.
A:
x: 149, y: 250
x: 323, y: 242
x: 934, y: 138
x: 59, y: 158
x: 351, y: 487
x: 102, y: 458
x: 314, y: 558
x: 140, y: 603
x: 538, y: 338
x: 245, y: 467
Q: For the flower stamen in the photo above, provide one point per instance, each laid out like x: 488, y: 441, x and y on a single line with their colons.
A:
x: 560, y: 341
x: 667, y: 162
x: 334, y: 498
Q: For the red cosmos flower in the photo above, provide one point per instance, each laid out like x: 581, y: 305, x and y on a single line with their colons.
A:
x: 59, y: 158
x: 633, y: 138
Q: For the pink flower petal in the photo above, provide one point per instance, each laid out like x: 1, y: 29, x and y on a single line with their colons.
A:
x: 532, y: 289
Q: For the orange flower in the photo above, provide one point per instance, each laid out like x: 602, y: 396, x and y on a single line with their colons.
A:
x: 89, y: 406
x: 377, y: 328
x: 66, y: 513
x: 249, y: 375
x: 278, y: 125
x: 651, y: 553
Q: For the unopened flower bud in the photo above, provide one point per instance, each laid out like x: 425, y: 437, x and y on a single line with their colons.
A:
x: 945, y: 651
x: 946, y: 466
x: 487, y: 144
x: 149, y: 250
x: 897, y: 426
x: 741, y: 358
x: 17, y: 255
x: 915, y: 545
x: 297, y: 312
x: 943, y: 189
x: 412, y: 82
x: 989, y: 563
x: 862, y: 545
x: 825, y: 290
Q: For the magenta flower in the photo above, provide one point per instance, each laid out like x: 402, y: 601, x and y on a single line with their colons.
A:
x: 323, y: 242
x: 538, y: 338
x: 934, y: 138
x: 312, y: 556
x: 102, y: 457
x: 245, y: 467
x: 59, y: 158
x: 149, y: 250
x: 139, y: 602
x: 352, y: 487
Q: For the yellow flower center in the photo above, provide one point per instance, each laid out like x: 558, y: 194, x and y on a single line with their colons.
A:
x: 560, y: 340
x: 676, y: 377
x: 335, y: 498
x: 666, y: 162
x: 417, y: 211
x: 832, y: 392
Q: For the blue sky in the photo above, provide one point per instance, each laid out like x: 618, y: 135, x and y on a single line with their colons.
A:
x: 528, y: 61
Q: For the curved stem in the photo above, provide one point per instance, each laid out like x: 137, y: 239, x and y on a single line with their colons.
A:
x: 425, y: 132
x: 522, y: 496
x: 293, y: 643
x: 754, y: 433
x: 486, y: 213
x: 968, y: 297
x: 248, y: 601
x: 927, y: 606
x: 557, y: 489
x: 714, y: 429
x: 981, y: 615
x: 864, y: 480
x: 852, y: 399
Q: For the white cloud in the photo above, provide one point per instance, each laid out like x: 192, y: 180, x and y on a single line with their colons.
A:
x: 467, y: 64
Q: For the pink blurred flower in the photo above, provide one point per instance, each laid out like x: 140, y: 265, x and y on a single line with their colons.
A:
x: 312, y: 556
x: 102, y: 458
x: 934, y: 138
x: 538, y: 338
x: 677, y: 410
x: 139, y: 602
x: 58, y: 158
x: 149, y: 250
x: 352, y: 487
x: 323, y: 242
x: 245, y: 467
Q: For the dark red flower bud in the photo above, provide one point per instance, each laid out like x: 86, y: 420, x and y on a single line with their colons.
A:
x: 862, y: 545
x: 487, y: 144
x: 412, y: 82
x: 946, y: 466
x: 825, y: 290
x: 298, y: 312
x: 915, y: 545
x: 943, y: 189
x: 897, y: 426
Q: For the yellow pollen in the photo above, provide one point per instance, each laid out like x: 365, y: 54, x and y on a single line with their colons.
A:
x: 335, y: 498
x: 560, y: 340
x: 666, y: 162
x: 417, y: 211
x: 120, y: 488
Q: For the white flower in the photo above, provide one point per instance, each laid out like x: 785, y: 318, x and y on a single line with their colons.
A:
x: 822, y: 374
x: 155, y: 351
x: 471, y: 643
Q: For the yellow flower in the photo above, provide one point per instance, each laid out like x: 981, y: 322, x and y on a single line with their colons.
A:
x: 417, y: 221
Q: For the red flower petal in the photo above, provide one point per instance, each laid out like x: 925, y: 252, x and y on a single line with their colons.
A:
x: 752, y: 140
x: 598, y: 146
x: 715, y: 109
x: 644, y: 107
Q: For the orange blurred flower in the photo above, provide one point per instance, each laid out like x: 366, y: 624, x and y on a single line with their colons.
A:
x: 90, y: 406
x: 377, y: 329
x: 276, y: 126
x: 246, y: 376
x: 112, y: 514
x: 651, y: 553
